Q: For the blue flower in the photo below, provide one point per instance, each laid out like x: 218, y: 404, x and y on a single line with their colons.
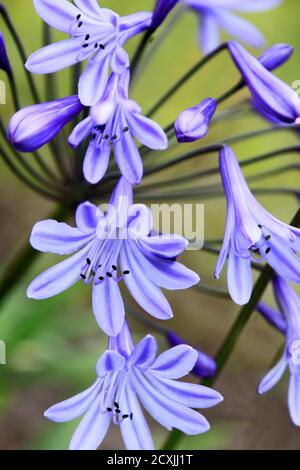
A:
x: 271, y: 96
x: 128, y: 375
x: 161, y: 11
x: 115, y: 121
x: 276, y: 55
x: 34, y: 126
x: 97, y: 34
x: 217, y: 14
x: 103, y: 242
x: 192, y: 124
x: 289, y: 304
x: 4, y: 60
x: 251, y: 231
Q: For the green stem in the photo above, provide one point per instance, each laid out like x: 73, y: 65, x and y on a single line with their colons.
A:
x: 234, y: 334
x: 139, y: 52
x: 14, y: 91
x: 18, y: 267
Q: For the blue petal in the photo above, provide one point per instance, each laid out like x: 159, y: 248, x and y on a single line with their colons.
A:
x: 57, y: 56
x: 108, y: 307
x: 294, y: 399
x: 110, y: 361
x: 146, y: 131
x: 92, y: 429
x: 175, y: 363
x: 95, y: 163
x: 74, y: 407
x: 50, y: 236
x: 240, y: 28
x: 93, y: 81
x: 209, y: 35
x: 272, y: 316
x: 144, y: 353
x: 80, y: 132
x: 239, y: 278
x: 60, y: 14
x: 89, y: 7
x: 87, y: 216
x: 165, y: 246
x: 273, y: 376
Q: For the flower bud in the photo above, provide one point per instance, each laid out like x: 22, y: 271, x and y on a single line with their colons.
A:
x: 4, y: 60
x: 192, y: 124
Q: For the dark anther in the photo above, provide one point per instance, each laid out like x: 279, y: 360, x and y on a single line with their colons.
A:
x: 96, y: 45
x: 114, y: 137
x: 125, y: 416
x: 101, y: 278
x: 78, y: 16
x: 87, y: 37
x: 109, y: 409
x: 93, y: 137
x: 80, y: 24
x: 102, y: 46
x: 126, y: 272
x: 268, y: 250
x: 126, y: 129
x: 106, y: 136
x: 109, y: 274
x: 85, y: 45
x: 88, y: 261
x: 114, y: 267
x: 131, y: 416
x: 268, y: 237
x: 116, y: 405
x: 83, y: 276
x: 118, y: 411
x: 260, y: 226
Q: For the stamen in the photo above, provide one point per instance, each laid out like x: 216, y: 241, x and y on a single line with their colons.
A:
x: 101, y: 278
x: 114, y: 267
x: 268, y: 237
x: 109, y: 275
x: 102, y: 46
x: 260, y: 226
x: 109, y: 410
x: 268, y: 250
x: 126, y: 272
x: 85, y: 45
x: 96, y: 45
x: 88, y: 261
x: 87, y: 37
x: 80, y: 24
x: 78, y: 16
x: 83, y: 276
x: 126, y: 129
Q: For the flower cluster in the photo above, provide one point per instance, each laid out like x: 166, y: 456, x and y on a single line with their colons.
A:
x: 119, y: 247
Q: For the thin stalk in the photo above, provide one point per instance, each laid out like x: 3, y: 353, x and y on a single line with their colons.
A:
x: 185, y: 78
x: 14, y: 92
x: 21, y: 51
x: 51, y: 91
x: 140, y: 51
x: 233, y: 336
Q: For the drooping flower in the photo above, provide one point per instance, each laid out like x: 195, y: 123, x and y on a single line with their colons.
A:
x: 218, y: 14
x: 114, y: 122
x: 97, y: 34
x: 250, y: 231
x: 289, y: 304
x: 34, y: 126
x: 275, y: 99
x: 128, y: 375
x: 161, y: 11
x: 205, y: 365
x: 4, y: 60
x: 103, y: 242
x: 192, y: 123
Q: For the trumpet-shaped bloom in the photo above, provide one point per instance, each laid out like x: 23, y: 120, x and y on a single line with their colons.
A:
x: 251, y: 231
x: 205, y: 365
x: 114, y: 122
x: 271, y: 96
x: 96, y: 34
x: 215, y: 15
x: 128, y: 375
x: 111, y: 247
x: 192, y: 124
x: 289, y: 304
x: 4, y: 60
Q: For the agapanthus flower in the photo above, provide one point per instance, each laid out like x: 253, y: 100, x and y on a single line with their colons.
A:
x: 218, y: 14
x: 252, y: 232
x: 192, y: 123
x: 271, y: 96
x: 272, y: 316
x: 4, y: 60
x: 276, y: 55
x: 34, y: 126
x: 289, y: 304
x: 204, y: 367
x: 114, y: 122
x: 161, y: 11
x: 97, y: 35
x: 128, y: 375
x: 110, y: 247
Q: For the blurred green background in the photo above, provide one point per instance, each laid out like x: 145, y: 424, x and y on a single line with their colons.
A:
x: 52, y: 346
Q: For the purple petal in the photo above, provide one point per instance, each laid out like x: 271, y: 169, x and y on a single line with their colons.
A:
x: 50, y: 236
x: 175, y: 363
x: 120, y: 202
x: 165, y: 246
x: 4, y: 60
x: 283, y: 260
x: 92, y: 428
x: 145, y: 292
x: 135, y: 432
x: 119, y: 61
x: 110, y: 361
x: 93, y: 81
x: 80, y: 132
x: 108, y: 307
x: 161, y: 11
x: 272, y: 316
x: 294, y: 399
x: 95, y: 163
x: 89, y: 7
x: 60, y: 14
x: 128, y: 158
x: 60, y: 277
x: 239, y: 278
x: 240, y: 28
x: 275, y: 56
x: 193, y: 123
x: 73, y: 407
x: 144, y: 353
x: 164, y: 410
x: 55, y: 57
x: 146, y: 131
x: 209, y: 35
x: 188, y: 394
x: 87, y: 217
x: 273, y: 376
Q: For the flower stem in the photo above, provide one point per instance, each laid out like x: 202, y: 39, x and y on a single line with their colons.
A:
x: 16, y: 270
x: 139, y: 52
x: 234, y: 334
